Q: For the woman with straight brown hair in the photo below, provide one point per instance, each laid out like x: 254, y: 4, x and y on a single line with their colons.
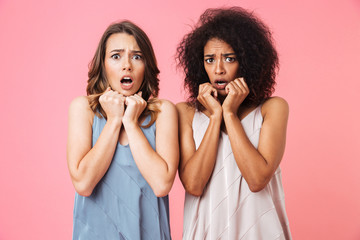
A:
x: 122, y: 143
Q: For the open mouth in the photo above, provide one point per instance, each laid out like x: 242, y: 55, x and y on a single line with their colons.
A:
x: 127, y: 81
x: 220, y: 84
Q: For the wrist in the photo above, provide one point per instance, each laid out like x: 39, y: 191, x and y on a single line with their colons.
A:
x: 115, y: 121
x: 229, y: 114
x: 216, y: 116
x: 129, y: 124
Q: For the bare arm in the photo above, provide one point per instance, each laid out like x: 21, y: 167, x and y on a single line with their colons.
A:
x: 88, y: 165
x: 157, y: 167
x: 258, y: 165
x: 196, y: 166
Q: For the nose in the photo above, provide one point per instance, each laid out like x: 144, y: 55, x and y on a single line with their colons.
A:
x: 219, y: 68
x: 126, y: 65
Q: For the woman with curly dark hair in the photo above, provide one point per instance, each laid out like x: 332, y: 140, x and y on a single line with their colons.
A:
x: 232, y: 132
x: 123, y: 142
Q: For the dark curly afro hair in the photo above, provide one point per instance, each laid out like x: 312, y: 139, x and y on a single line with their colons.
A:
x: 253, y: 45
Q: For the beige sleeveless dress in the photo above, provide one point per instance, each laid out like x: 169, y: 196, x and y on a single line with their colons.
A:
x: 228, y: 209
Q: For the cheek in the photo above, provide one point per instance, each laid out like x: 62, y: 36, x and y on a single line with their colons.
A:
x: 141, y: 72
x: 110, y: 71
x: 234, y: 71
x: 207, y: 70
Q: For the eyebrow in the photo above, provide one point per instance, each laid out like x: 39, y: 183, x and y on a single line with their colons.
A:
x: 225, y: 55
x: 122, y: 50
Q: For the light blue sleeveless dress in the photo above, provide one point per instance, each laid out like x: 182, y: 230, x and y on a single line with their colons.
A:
x: 122, y: 205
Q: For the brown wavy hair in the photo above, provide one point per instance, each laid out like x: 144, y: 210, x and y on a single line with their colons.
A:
x: 97, y: 81
x: 253, y: 45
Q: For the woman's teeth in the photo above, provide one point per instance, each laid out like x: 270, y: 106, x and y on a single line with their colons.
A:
x: 126, y: 81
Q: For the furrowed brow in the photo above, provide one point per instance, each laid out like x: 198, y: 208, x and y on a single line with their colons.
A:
x: 228, y: 54
x: 117, y: 50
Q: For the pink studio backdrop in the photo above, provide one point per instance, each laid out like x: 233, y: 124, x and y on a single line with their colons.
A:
x: 45, y: 47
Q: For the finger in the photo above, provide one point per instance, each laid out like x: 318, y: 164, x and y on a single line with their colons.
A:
x: 209, y: 91
x: 107, y: 91
x: 203, y: 87
x: 118, y: 95
x: 242, y: 80
x: 139, y: 94
x: 230, y: 88
x: 141, y: 101
x: 111, y: 93
x: 139, y: 97
x: 105, y: 96
x: 215, y: 93
x: 129, y: 100
x: 238, y: 86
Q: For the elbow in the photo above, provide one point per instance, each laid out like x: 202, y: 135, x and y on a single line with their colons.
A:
x: 192, y: 185
x: 257, y: 185
x: 194, y: 192
x: 86, y: 193
x: 162, y: 189
x: 161, y: 192
x: 83, y: 189
x: 194, y: 189
x: 256, y: 188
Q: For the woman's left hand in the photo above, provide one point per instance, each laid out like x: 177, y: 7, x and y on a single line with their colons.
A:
x: 135, y: 105
x: 237, y: 91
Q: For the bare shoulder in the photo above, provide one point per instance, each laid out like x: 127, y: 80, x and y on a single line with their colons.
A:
x: 275, y: 106
x: 185, y: 110
x: 79, y: 107
x: 80, y: 102
x: 166, y: 105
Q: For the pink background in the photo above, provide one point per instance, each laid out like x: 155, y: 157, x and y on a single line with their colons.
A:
x: 45, y: 49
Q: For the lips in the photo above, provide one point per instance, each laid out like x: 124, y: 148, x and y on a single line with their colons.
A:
x: 220, y: 84
x: 126, y: 83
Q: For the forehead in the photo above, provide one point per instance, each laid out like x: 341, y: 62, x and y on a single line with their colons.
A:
x: 217, y: 45
x: 122, y: 41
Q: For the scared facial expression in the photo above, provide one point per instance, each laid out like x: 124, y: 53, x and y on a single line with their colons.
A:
x: 220, y: 64
x: 124, y: 64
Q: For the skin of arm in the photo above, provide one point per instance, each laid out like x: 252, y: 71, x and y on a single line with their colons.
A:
x: 157, y: 167
x: 196, y: 166
x: 87, y: 165
x: 258, y: 165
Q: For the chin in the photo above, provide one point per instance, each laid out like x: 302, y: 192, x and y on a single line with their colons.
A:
x: 127, y: 93
x: 222, y: 92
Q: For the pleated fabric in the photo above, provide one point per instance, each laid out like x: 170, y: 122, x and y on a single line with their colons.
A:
x: 122, y: 205
x: 228, y: 209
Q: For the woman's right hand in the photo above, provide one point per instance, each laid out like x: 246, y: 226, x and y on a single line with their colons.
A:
x: 208, y: 98
x: 113, y: 104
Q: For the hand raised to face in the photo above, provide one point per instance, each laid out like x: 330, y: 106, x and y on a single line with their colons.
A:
x: 135, y: 105
x: 113, y: 104
x: 236, y: 91
x: 208, y: 98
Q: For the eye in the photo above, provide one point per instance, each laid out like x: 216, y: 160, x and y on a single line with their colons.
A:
x: 115, y: 56
x: 137, y: 57
x: 209, y: 60
x: 230, y: 59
